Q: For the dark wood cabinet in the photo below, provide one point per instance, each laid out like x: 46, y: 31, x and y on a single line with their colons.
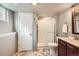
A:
x: 67, y: 49
x: 71, y: 50
x: 62, y: 44
x: 77, y: 51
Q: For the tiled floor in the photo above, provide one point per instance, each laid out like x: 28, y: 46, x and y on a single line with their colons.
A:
x: 42, y: 51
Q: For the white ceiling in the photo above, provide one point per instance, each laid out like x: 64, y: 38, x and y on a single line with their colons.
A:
x: 40, y: 8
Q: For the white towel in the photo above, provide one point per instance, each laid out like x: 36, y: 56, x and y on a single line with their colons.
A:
x: 64, y: 28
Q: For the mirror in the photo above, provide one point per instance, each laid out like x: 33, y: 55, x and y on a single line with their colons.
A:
x: 75, y: 22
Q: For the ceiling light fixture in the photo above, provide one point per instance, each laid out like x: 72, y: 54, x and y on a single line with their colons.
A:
x: 34, y: 3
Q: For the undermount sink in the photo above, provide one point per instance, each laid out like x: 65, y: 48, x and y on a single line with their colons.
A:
x: 73, y: 38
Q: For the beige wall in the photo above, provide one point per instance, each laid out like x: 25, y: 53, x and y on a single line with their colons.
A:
x: 64, y: 17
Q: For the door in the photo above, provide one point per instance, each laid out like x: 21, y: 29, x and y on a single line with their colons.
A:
x: 45, y: 31
x: 61, y: 48
x: 77, y: 51
x: 71, y: 50
x: 24, y: 26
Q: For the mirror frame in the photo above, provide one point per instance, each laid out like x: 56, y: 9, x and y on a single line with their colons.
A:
x: 73, y: 22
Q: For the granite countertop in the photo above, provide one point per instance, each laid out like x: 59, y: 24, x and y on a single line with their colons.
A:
x: 70, y: 40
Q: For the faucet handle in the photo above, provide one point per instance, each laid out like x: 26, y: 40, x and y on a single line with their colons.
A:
x: 75, y: 37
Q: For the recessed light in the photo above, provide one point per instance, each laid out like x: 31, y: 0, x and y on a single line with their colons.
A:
x: 34, y: 3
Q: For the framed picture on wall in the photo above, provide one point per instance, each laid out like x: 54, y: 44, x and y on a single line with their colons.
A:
x: 2, y: 14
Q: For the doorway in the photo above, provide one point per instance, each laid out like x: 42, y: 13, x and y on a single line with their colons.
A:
x: 46, y: 31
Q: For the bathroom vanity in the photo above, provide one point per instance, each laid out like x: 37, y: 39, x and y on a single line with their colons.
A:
x: 68, y: 47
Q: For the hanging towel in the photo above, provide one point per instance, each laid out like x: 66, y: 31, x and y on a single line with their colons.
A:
x: 64, y: 28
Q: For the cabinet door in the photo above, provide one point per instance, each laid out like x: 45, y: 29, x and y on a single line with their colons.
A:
x: 77, y: 51
x: 61, y: 48
x: 71, y: 50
